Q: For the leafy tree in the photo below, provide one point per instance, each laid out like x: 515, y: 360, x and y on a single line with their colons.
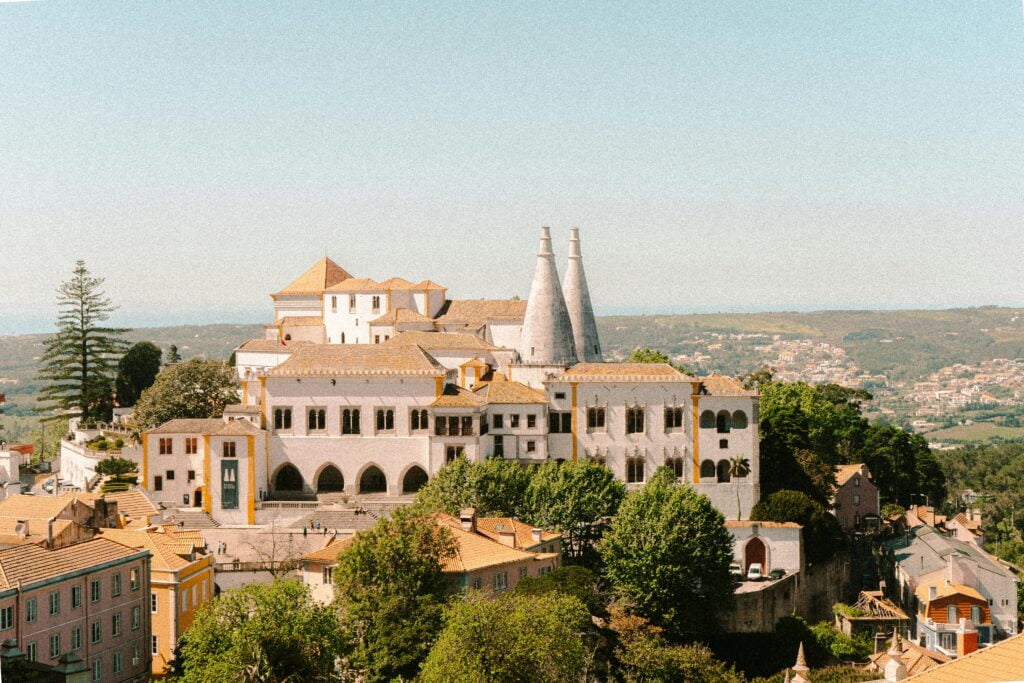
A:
x: 172, y: 355
x: 261, y: 632
x: 903, y: 466
x: 136, y: 371
x: 579, y: 582
x: 78, y: 361
x: 391, y: 591
x: 821, y: 531
x: 193, y: 389
x: 890, y: 510
x: 648, y: 355
x: 667, y: 553
x: 572, y: 498
x: 114, y: 466
x: 763, y: 375
x: 738, y: 467
x: 510, y: 639
x: 495, y: 487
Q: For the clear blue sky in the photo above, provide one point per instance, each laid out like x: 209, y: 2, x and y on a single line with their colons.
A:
x: 716, y: 156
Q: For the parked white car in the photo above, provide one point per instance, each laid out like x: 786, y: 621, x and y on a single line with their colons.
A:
x: 755, y: 572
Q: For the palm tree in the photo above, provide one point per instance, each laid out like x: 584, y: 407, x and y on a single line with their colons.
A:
x: 738, y: 467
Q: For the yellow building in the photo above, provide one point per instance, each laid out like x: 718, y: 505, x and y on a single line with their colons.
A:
x: 181, y: 581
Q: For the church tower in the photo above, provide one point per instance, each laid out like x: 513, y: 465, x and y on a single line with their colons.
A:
x: 577, y: 300
x: 547, y: 337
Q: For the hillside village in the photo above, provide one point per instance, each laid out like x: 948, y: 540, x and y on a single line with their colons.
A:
x: 370, y: 409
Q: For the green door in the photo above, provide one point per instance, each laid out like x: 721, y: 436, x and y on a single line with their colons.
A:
x: 229, y: 484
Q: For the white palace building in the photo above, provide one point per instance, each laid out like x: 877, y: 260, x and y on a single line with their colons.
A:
x: 365, y: 387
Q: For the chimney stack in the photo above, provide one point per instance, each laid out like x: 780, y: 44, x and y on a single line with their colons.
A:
x: 547, y: 337
x: 577, y: 301
x: 467, y: 519
x: 933, y: 593
x: 537, y: 535
x: 21, y: 528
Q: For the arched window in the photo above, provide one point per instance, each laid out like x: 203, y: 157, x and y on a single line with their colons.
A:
x: 707, y: 469
x: 634, y: 420
x: 288, y: 479
x: 707, y: 419
x: 282, y: 418
x: 414, y: 479
x: 330, y: 480
x: 287, y: 337
x: 739, y: 420
x: 373, y: 481
x: 350, y: 421
x: 418, y: 419
x: 316, y: 420
x: 676, y: 465
x: 951, y: 615
x: 723, y: 471
x: 385, y: 420
x: 342, y: 337
x: 634, y: 470
x: 722, y: 422
x: 975, y: 614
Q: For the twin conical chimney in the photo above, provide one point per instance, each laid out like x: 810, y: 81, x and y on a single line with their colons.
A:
x: 577, y: 300
x: 547, y: 329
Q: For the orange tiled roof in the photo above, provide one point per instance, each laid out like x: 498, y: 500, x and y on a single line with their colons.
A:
x: 237, y: 428
x: 457, y: 397
x: 999, y: 662
x: 915, y: 658
x: 429, y: 284
x: 358, y: 359
x: 323, y: 274
x: 442, y: 341
x: 720, y: 385
x: 133, y: 503
x: 271, y: 346
x: 188, y: 426
x: 357, y: 284
x: 479, y: 311
x: 26, y: 564
x: 167, y: 552
x: 944, y: 589
x: 239, y: 409
x: 845, y: 472
x: 329, y: 553
x: 401, y: 315
x: 508, y: 392
x: 301, y: 321
x: 22, y: 506
x: 493, y: 526
x: 623, y: 372
x: 477, y: 551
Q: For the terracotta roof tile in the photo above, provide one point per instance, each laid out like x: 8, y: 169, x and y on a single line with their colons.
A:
x: 361, y: 359
x: 476, y: 551
x: 493, y: 526
x: 441, y: 341
x: 357, y: 284
x: 237, y: 428
x: 457, y: 397
x: 429, y: 284
x: 479, y: 311
x: 498, y: 392
x: 623, y: 372
x: 27, y: 564
x: 720, y: 385
x: 323, y: 274
x: 271, y: 346
x: 845, y: 472
x: 301, y: 321
x: 329, y: 553
x: 401, y: 315
x: 167, y: 551
x: 133, y: 503
x: 999, y: 662
x: 239, y: 409
x: 944, y: 589
x: 188, y: 426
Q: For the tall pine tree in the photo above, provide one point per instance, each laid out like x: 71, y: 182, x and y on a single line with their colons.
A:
x: 80, y: 360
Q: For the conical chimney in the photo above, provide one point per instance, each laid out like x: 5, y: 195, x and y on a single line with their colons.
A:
x: 577, y: 301
x: 547, y: 330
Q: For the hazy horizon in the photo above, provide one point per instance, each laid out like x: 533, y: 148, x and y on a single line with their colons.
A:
x: 726, y: 156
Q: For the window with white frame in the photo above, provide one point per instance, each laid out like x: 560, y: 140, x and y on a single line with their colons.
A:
x: 501, y: 581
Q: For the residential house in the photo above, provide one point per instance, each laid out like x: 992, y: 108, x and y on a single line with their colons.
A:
x: 952, y: 618
x: 855, y: 500
x: 181, y: 581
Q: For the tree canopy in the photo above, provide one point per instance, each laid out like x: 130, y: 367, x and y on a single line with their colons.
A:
x: 510, y: 639
x: 391, y: 591
x: 137, y: 370
x: 194, y: 389
x: 572, y: 497
x: 115, y: 466
x: 648, y: 355
x: 261, y: 632
x: 78, y: 361
x: 667, y: 553
x: 495, y: 487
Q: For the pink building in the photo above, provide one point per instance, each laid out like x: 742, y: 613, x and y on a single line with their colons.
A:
x: 855, y: 501
x: 91, y: 598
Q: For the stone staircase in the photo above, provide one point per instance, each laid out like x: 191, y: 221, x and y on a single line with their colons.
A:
x: 356, y: 515
x: 193, y: 518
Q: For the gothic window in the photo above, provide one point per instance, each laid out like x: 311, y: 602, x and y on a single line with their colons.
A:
x: 722, y: 422
x: 673, y: 418
x: 350, y: 421
x: 634, y: 470
x: 739, y: 420
x: 707, y: 419
x: 676, y: 465
x: 316, y: 420
x: 595, y: 419
x: 634, y: 420
x: 385, y: 420
x: 282, y: 418
x: 707, y: 469
x: 418, y: 419
x: 453, y: 452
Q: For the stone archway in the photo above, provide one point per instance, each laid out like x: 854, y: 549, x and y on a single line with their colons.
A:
x: 373, y: 480
x: 755, y: 551
x: 288, y: 478
x: 330, y: 480
x: 414, y: 479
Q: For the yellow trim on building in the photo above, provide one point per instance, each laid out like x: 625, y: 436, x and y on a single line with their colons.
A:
x: 252, y: 479
x: 263, y: 402
x: 245, y: 392
x: 573, y: 420
x: 145, y: 461
x: 696, y: 440
x: 207, y: 506
x: 439, y: 388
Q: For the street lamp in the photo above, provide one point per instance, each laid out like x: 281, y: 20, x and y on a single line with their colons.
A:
x: 925, y: 496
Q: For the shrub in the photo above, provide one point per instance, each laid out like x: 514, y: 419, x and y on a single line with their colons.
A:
x: 118, y: 443
x: 102, y: 445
